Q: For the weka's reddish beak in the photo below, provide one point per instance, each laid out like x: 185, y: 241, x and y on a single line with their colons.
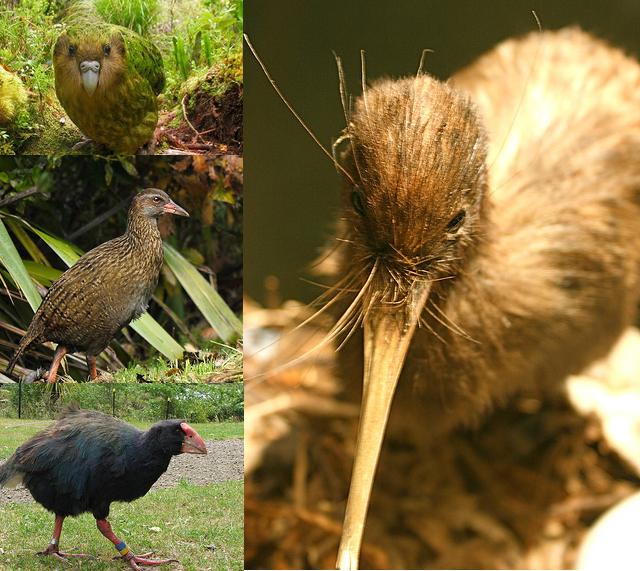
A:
x: 193, y: 443
x: 172, y: 208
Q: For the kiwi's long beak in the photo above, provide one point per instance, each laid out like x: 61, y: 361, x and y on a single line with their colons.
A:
x: 90, y: 73
x: 387, y: 333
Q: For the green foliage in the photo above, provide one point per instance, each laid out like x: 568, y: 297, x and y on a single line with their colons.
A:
x: 27, y: 33
x: 19, y: 274
x: 212, y: 37
x: 215, y: 311
x: 132, y: 402
x: 137, y: 15
x: 14, y: 432
x: 191, y: 519
x: 219, y: 364
x: 181, y: 57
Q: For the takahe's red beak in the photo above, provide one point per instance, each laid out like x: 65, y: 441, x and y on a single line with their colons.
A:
x: 172, y: 208
x: 193, y: 443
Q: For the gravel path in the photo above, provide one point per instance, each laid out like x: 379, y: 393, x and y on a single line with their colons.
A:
x: 223, y: 462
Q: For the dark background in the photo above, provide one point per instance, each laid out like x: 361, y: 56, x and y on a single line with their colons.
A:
x: 293, y: 187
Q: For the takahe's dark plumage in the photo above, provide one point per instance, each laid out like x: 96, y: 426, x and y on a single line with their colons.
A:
x: 105, y: 289
x: 87, y: 459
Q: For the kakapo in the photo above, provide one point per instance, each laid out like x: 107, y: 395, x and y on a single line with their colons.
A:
x: 107, y: 79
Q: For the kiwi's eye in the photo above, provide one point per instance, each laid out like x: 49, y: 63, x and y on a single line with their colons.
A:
x: 357, y: 201
x: 106, y: 49
x: 72, y: 50
x: 456, y: 222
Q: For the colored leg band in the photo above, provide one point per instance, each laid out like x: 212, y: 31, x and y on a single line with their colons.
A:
x: 53, y: 541
x: 122, y: 548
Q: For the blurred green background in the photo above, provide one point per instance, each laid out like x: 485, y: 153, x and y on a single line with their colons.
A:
x: 292, y: 185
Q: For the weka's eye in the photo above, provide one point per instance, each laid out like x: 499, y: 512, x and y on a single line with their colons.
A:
x: 456, y: 222
x: 357, y: 201
x: 72, y: 50
x: 157, y: 199
x: 106, y: 49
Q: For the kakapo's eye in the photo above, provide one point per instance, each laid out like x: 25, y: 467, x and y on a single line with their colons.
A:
x: 357, y: 200
x: 456, y: 222
x: 106, y: 49
x: 72, y: 50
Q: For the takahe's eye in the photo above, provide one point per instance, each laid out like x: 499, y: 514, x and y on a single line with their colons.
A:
x: 456, y: 222
x: 106, y: 49
x: 72, y: 50
x: 357, y: 201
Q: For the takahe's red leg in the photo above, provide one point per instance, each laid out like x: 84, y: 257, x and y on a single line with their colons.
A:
x: 91, y: 363
x: 57, y: 357
x: 53, y: 547
x: 105, y: 529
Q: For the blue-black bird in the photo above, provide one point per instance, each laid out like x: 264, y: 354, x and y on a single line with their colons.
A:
x: 86, y: 460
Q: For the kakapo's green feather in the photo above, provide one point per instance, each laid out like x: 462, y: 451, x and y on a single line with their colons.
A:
x: 122, y: 113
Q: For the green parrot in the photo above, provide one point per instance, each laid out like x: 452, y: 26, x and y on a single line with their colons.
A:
x: 107, y: 79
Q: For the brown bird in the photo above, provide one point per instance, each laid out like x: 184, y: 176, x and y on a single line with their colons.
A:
x: 489, y: 241
x: 105, y: 289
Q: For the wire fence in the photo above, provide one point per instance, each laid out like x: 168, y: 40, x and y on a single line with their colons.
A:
x: 150, y: 403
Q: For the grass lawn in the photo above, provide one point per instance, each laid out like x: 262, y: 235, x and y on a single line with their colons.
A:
x: 14, y: 432
x: 202, y: 526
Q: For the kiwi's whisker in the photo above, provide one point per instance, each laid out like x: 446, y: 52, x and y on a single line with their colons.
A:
x: 443, y: 322
x: 424, y: 323
x: 453, y: 323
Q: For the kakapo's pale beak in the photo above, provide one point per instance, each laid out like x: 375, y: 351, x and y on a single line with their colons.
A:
x: 90, y: 71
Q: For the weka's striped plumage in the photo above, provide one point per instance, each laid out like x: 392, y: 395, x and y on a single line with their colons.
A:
x: 106, y: 288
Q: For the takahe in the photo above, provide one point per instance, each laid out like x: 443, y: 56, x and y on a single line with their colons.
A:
x: 105, y: 289
x: 87, y: 459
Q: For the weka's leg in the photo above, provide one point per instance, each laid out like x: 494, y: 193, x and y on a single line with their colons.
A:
x: 105, y: 529
x: 57, y: 357
x: 91, y: 363
x: 53, y: 547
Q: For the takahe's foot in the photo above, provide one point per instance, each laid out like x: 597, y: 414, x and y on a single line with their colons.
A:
x: 55, y: 551
x: 136, y: 560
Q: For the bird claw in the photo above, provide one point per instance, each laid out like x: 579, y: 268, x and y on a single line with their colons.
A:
x: 135, y: 560
x: 83, y: 144
x: 63, y: 557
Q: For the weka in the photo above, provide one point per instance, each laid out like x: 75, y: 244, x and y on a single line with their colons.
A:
x: 489, y: 238
x: 105, y: 289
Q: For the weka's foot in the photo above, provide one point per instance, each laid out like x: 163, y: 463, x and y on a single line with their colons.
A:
x: 135, y: 561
